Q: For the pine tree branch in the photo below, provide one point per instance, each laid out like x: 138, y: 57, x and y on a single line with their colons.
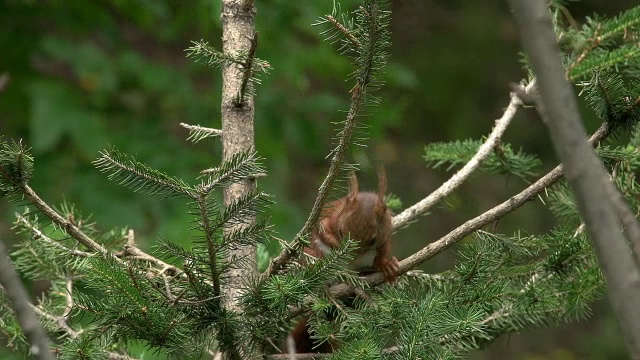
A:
x: 505, y: 311
x: 37, y: 234
x: 459, y: 177
x: 592, y: 42
x: 346, y: 32
x: 63, y: 223
x: 132, y: 173
x: 240, y: 166
x: 474, y: 224
x: 371, y: 58
x: 211, y: 245
x: 624, y: 212
x: 336, y: 162
x: 585, y: 172
x: 59, y: 321
x: 131, y: 250
x: 62, y: 323
x: 10, y: 281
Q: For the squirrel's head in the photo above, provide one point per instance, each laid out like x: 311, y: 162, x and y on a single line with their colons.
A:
x: 363, y: 216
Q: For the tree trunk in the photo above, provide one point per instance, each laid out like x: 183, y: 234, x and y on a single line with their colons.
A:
x: 238, y: 30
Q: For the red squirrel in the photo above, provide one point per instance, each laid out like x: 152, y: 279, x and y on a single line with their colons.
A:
x: 365, y: 218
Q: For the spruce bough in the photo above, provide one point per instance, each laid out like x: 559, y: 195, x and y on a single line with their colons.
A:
x: 107, y: 293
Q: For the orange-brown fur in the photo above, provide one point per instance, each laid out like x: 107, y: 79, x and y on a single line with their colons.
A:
x: 365, y: 218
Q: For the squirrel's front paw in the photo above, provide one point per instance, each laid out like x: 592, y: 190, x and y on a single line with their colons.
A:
x: 390, y: 270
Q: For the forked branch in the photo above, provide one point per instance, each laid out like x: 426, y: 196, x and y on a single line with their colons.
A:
x: 476, y: 223
x: 459, y: 177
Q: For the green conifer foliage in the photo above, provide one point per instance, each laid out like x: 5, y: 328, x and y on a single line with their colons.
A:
x: 107, y: 294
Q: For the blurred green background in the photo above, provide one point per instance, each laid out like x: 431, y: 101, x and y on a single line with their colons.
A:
x: 87, y: 74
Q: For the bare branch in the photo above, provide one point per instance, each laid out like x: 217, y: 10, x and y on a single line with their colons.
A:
x: 459, y: 177
x: 21, y: 305
x: 585, y: 172
x: 69, y: 297
x: 131, y: 250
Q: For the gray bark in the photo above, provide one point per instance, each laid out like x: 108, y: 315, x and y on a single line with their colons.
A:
x: 237, y: 127
x: 21, y: 305
x: 584, y: 171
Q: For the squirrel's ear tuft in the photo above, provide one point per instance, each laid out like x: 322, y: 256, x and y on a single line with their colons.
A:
x: 353, y: 188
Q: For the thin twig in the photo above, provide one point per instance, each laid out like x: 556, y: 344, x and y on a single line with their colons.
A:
x: 418, y: 274
x: 21, y: 306
x: 131, y: 250
x: 69, y: 297
x: 247, y: 70
x: 459, y: 177
x: 210, y: 131
x: 59, y: 220
x: 346, y: 32
x: 60, y: 322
